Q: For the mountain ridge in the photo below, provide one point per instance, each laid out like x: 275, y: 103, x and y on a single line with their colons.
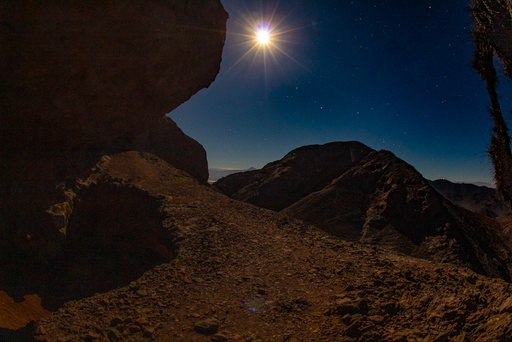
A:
x: 481, y: 199
x: 382, y: 200
x: 292, y: 173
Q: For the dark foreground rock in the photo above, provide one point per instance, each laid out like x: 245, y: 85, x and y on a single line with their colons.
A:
x: 113, y: 234
x: 89, y: 73
x: 242, y: 273
x: 80, y: 80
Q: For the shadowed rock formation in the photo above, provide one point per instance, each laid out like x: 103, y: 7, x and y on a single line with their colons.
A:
x: 383, y: 200
x: 166, y: 140
x: 92, y: 73
x: 376, y: 198
x: 115, y: 232
x: 81, y: 80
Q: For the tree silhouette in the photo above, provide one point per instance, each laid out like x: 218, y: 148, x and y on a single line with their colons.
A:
x: 492, y: 35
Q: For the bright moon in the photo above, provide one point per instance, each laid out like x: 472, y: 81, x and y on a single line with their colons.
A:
x: 263, y: 36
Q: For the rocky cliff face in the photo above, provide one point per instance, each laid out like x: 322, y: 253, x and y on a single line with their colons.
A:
x: 80, y: 81
x: 383, y: 200
x: 380, y: 199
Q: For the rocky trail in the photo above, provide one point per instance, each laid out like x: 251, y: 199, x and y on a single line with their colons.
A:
x: 243, y: 273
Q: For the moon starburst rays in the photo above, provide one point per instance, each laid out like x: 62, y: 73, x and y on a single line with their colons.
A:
x: 265, y: 43
x: 263, y: 36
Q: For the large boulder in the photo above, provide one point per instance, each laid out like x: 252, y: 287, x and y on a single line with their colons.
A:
x: 112, y: 231
x: 78, y: 74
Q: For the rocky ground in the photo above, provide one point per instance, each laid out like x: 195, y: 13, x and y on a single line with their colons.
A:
x: 241, y: 273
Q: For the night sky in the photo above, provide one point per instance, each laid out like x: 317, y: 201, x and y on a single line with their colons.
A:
x: 394, y: 75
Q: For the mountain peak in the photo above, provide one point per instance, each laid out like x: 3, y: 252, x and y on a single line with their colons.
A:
x: 300, y: 172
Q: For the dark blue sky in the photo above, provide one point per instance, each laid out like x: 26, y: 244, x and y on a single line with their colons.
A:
x: 394, y: 75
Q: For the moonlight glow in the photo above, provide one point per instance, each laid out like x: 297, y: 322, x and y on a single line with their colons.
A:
x: 264, y: 41
x: 263, y: 36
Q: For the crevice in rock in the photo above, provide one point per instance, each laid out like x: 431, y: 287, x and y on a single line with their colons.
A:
x: 114, y: 235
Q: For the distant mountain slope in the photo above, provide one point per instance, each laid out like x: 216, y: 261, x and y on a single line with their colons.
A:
x: 216, y: 174
x: 479, y: 199
x: 383, y: 200
x: 300, y: 172
x: 374, y: 197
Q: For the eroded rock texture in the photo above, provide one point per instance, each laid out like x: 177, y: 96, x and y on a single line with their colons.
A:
x: 115, y: 231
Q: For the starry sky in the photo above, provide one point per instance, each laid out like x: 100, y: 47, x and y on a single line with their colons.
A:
x: 392, y: 74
